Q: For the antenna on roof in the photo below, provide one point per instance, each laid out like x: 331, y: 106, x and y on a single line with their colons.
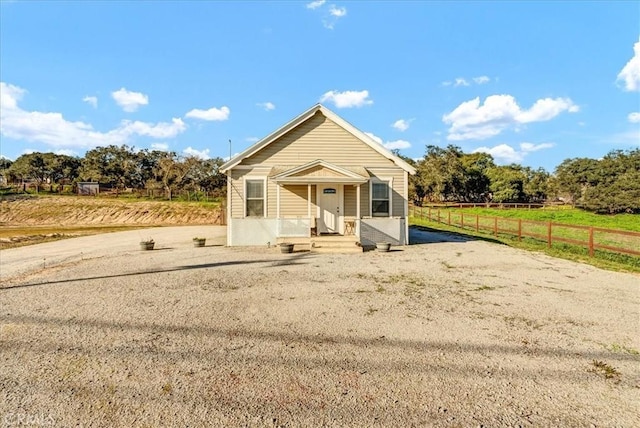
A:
x: 229, y: 149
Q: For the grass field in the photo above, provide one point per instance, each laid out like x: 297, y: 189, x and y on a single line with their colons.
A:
x: 532, y: 226
x: 573, y: 216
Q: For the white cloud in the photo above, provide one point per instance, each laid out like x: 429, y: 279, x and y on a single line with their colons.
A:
x: 630, y: 73
x: 546, y: 109
x: 374, y: 137
x: 217, y: 114
x: 93, y: 101
x: 251, y: 139
x: 461, y: 81
x: 338, y: 12
x: 397, y: 144
x: 158, y: 130
x: 530, y: 147
x: 200, y: 154
x: 163, y: 147
x: 505, y: 154
x: 129, y: 101
x: 390, y: 145
x: 347, y: 99
x: 335, y: 13
x: 315, y: 4
x: 471, y: 120
x: 502, y: 153
x: 402, y: 124
x: 54, y: 130
x: 267, y: 106
x: 634, y: 117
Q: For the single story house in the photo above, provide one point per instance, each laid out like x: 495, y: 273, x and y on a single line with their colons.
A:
x: 317, y: 175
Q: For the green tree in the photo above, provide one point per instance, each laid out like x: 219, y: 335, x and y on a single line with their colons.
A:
x: 507, y: 183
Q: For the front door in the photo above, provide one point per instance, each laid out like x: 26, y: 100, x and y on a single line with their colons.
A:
x: 329, y: 199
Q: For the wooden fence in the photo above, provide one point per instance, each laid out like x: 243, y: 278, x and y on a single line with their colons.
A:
x: 589, y: 237
x: 499, y: 205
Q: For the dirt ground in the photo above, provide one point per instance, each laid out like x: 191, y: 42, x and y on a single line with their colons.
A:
x: 450, y: 332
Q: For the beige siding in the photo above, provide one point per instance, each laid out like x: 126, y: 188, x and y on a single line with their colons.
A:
x: 237, y: 191
x: 318, y: 171
x: 318, y: 138
x: 398, y: 195
x: 364, y: 200
x: 237, y: 179
x: 293, y: 201
x: 350, y: 200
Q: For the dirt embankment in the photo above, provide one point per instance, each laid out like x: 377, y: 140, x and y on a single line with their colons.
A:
x: 40, y: 219
x: 79, y: 211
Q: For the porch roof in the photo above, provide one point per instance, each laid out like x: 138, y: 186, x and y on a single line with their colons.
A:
x: 318, y: 171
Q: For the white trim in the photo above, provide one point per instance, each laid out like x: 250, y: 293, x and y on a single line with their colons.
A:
x: 244, y: 194
x: 318, y: 162
x: 229, y: 210
x: 278, y: 200
x: 231, y: 163
x: 406, y: 207
x: 389, y: 181
x: 358, y: 216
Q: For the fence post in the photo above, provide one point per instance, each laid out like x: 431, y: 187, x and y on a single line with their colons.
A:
x: 438, y: 215
x: 519, y: 230
x: 429, y: 213
x: 477, y: 223
x: 591, y: 242
x: 449, y: 220
x: 495, y: 226
x: 549, y: 235
x: 461, y: 220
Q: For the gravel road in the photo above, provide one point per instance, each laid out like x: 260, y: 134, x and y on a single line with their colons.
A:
x: 450, y: 332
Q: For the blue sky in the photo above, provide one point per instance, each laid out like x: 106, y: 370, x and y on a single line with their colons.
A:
x: 529, y: 82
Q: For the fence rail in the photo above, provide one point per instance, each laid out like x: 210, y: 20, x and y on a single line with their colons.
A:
x: 499, y: 205
x: 590, y: 237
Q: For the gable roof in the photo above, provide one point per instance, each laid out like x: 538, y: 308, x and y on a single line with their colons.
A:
x: 343, y: 175
x: 304, y: 117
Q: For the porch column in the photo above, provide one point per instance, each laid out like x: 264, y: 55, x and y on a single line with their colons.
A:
x: 358, y: 210
x: 277, y: 200
x: 309, y: 200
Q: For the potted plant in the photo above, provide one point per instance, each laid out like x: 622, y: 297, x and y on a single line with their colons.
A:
x: 147, y: 244
x: 383, y: 246
x: 199, y: 242
x: 286, y: 247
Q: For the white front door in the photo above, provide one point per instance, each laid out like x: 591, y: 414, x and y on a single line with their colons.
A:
x: 329, y: 198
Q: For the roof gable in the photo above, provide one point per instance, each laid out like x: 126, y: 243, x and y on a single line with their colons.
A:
x: 321, y: 170
x: 297, y: 121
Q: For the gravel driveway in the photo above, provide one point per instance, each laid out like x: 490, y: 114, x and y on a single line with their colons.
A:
x: 445, y: 333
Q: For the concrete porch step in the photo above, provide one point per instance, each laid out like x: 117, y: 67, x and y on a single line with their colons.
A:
x: 335, y: 244
x: 325, y: 244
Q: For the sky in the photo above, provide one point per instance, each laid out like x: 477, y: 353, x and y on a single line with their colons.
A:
x: 529, y: 82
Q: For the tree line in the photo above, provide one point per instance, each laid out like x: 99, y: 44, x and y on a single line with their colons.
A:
x: 118, y: 167
x: 607, y: 185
